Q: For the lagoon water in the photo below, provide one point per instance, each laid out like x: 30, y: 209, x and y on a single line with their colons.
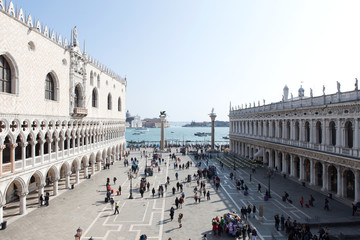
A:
x: 177, y: 134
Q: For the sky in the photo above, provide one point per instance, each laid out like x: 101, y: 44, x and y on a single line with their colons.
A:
x: 189, y: 56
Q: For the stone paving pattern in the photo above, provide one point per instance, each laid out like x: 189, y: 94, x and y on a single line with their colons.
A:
x: 85, y: 207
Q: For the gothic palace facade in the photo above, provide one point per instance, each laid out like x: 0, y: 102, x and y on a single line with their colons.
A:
x: 62, y: 113
x: 312, y: 139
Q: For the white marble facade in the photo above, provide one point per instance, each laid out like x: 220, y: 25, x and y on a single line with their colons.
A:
x: 61, y: 111
x: 313, y: 139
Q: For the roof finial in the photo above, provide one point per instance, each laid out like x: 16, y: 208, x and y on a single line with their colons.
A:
x: 84, y: 47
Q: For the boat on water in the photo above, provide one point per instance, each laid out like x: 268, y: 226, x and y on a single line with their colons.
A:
x: 137, y: 133
x: 225, y: 137
x: 142, y: 129
x: 202, y: 134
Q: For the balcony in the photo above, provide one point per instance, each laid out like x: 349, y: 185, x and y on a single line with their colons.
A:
x: 80, y: 112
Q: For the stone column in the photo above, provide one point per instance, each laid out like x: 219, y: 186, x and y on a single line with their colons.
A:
x: 357, y: 187
x: 86, y: 171
x: 356, y: 134
x: 2, y: 147
x: 292, y: 168
x: 312, y: 172
x: 340, y: 186
x: 277, y: 165
x: 23, y: 154
x: 12, y: 156
x: 56, y: 186
x: 212, y: 117
x: 22, y: 197
x: 1, y: 212
x: 67, y: 180
x: 93, y: 168
x: 77, y: 172
x: 99, y: 165
x: 162, y: 141
x: 41, y: 142
x: 324, y: 136
x: 312, y: 131
x: 301, y: 165
x: 284, y: 163
x: 49, y: 141
x: 56, y: 150
x: 338, y: 133
x: 325, y: 177
x: 32, y: 143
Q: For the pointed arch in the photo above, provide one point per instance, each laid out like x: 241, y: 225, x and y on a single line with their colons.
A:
x: 9, y: 74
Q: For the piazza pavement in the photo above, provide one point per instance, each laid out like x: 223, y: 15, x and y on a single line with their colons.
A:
x: 85, y: 207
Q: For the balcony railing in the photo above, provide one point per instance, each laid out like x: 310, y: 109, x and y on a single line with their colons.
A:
x: 80, y: 112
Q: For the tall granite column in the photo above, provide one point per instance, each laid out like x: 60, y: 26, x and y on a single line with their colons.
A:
x: 212, y: 116
x: 162, y: 141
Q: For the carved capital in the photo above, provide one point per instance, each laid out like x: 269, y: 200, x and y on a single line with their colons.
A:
x: 12, y: 146
x: 2, y: 147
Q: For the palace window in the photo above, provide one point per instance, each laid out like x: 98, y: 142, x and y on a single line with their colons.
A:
x: 109, y: 102
x: 94, y: 98
x: 5, y: 76
x: 119, y: 104
x: 49, y: 87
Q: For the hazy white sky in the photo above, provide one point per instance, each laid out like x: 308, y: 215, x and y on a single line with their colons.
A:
x: 188, y: 56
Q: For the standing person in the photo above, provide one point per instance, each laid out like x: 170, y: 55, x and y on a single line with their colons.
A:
x: 254, y: 211
x: 204, y: 192
x: 119, y: 189
x: 47, y: 198
x: 259, y: 187
x: 142, y: 192
x: 277, y: 221
x: 312, y: 200
x: 116, y: 208
x: 114, y: 179
x: 172, y: 211
x: 153, y: 192
x: 173, y: 190
x: 208, y: 195
x: 282, y: 222
x: 148, y: 186
x: 42, y: 200
x: 253, y: 234
x: 177, y: 203
x: 302, y: 201
x: 179, y: 219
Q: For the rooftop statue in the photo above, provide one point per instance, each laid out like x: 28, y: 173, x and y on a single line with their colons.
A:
x: 311, y: 92
x: 356, y: 84
x: 323, y: 89
x: 338, y: 85
x: 74, y: 37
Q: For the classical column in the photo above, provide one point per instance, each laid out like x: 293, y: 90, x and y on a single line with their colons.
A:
x: 340, y: 186
x: 93, y: 168
x: 56, y: 150
x: 12, y: 156
x: 22, y: 197
x: 301, y: 165
x: 271, y: 160
x: 212, y: 117
x: 312, y: 172
x: 99, y: 165
x: 2, y: 147
x: 86, y: 171
x: 162, y: 141
x: 56, y: 186
x: 67, y: 180
x: 312, y: 131
x: 49, y: 141
x: 324, y: 136
x: 357, y: 187
x: 325, y: 177
x: 338, y: 133
x: 23, y: 154
x: 77, y: 172
x: 356, y: 134
x: 32, y: 153
x: 284, y: 163
x: 292, y: 168
x: 1, y: 213
x: 41, y: 143
x: 277, y: 165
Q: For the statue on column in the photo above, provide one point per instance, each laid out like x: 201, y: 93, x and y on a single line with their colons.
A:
x: 323, y: 89
x: 74, y: 37
x: 338, y: 86
x: 356, y: 84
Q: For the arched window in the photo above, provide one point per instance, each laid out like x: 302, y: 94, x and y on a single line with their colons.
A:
x: 280, y: 129
x: 297, y: 131
x: 348, y: 135
x: 288, y: 130
x: 49, y: 87
x: 77, y: 97
x: 109, y: 101
x: 119, y: 104
x: 318, y: 132
x: 332, y: 131
x: 5, y: 76
x: 307, y: 132
x: 94, y: 98
x: 98, y: 81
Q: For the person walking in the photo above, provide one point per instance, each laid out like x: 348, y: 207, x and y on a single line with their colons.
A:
x: 114, y: 180
x: 119, y: 189
x: 112, y: 203
x: 208, y: 195
x: 179, y: 219
x: 47, y: 198
x: 302, y: 201
x: 173, y: 190
x: 172, y: 212
x: 148, y: 186
x: 254, y: 211
x: 153, y: 192
x: 282, y: 222
x: 259, y: 187
x: 116, y: 208
x: 177, y: 203
x: 312, y: 200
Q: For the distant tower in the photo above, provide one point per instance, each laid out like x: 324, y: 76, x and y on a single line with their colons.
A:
x: 286, y: 93
x: 301, y: 92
